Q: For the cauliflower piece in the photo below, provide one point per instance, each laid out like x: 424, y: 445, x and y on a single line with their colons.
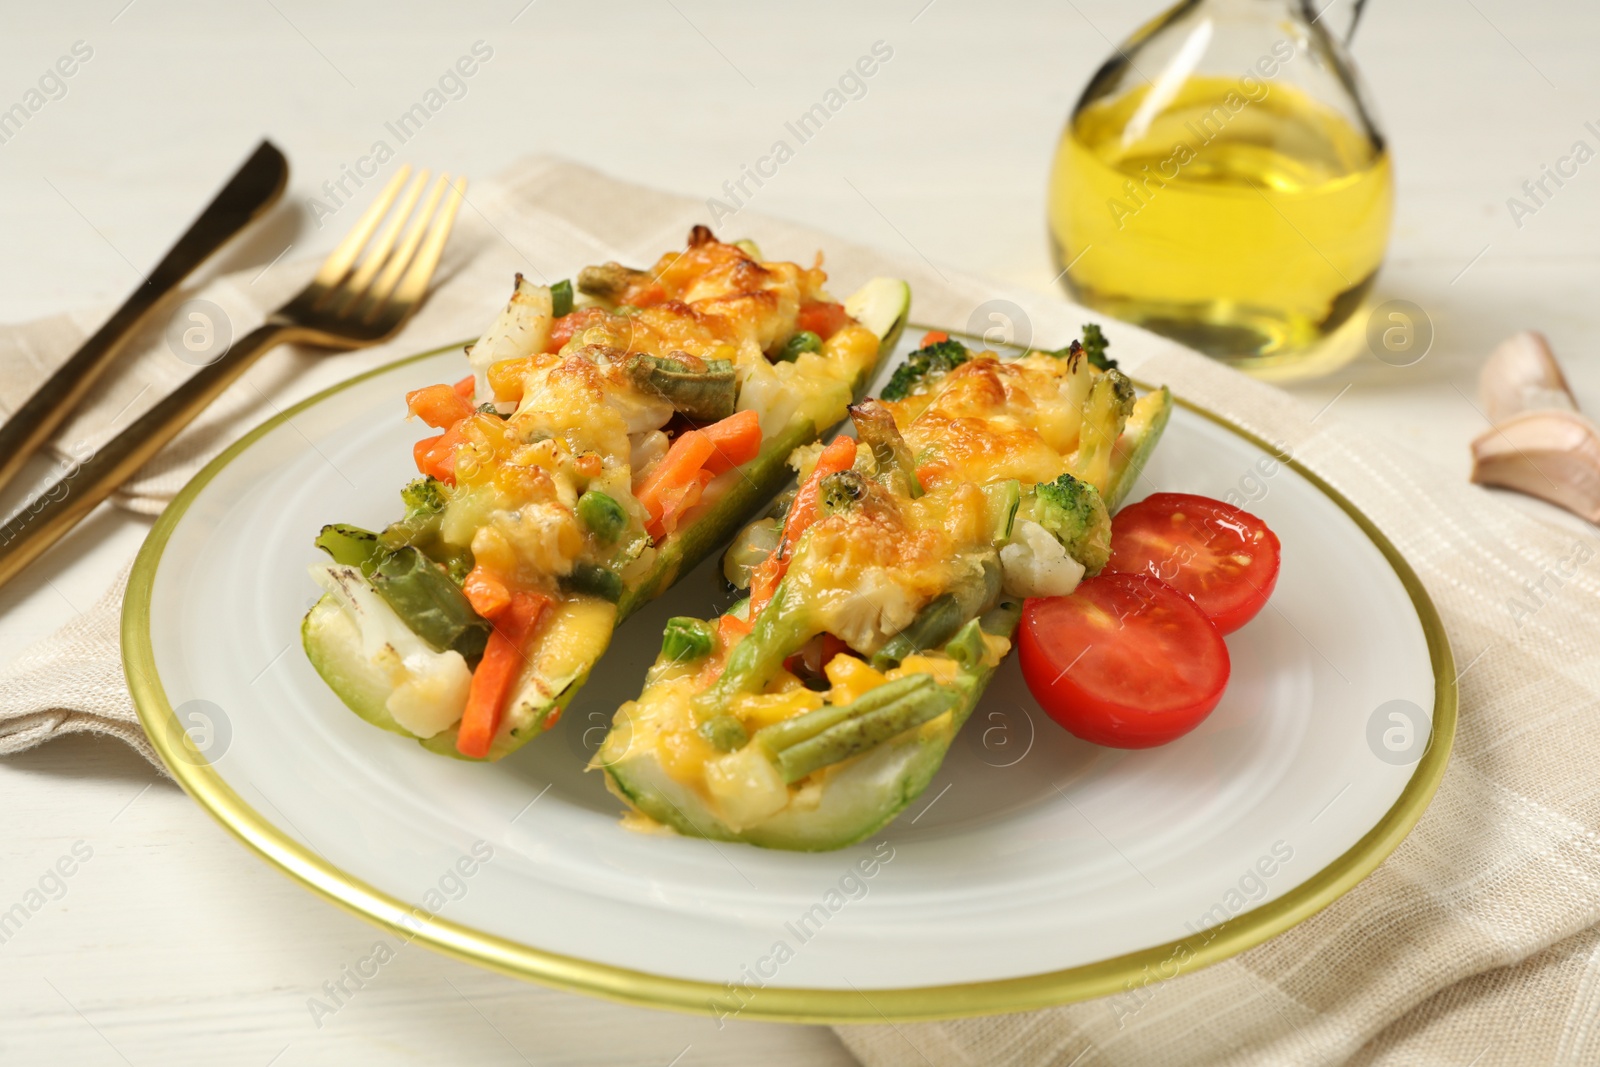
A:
x: 1034, y: 563
x: 866, y: 614
x: 768, y: 389
x: 521, y: 328
x: 430, y: 687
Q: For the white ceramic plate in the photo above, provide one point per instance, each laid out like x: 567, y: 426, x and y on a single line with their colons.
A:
x: 1036, y: 868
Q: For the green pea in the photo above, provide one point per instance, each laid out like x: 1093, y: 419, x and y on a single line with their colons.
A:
x: 602, y: 515
x: 804, y: 341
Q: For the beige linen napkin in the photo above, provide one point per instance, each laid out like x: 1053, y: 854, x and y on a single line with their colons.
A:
x: 1475, y: 943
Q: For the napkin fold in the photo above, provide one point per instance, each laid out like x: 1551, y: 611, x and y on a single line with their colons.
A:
x: 1476, y: 942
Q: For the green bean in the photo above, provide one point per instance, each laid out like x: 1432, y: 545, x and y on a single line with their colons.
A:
x: 685, y: 640
x: 781, y: 735
x: 608, y: 281
x: 783, y: 626
x: 429, y: 603
x: 943, y: 616
x: 724, y: 732
x: 934, y: 625
x: 966, y: 647
x: 561, y: 298
x: 876, y: 429
x: 863, y: 732
x: 704, y: 389
x: 350, y: 545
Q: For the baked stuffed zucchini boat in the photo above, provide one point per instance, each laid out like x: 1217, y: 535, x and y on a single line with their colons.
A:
x: 883, y: 598
x: 595, y: 453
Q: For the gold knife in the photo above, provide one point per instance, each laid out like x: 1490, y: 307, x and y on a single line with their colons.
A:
x: 254, y: 188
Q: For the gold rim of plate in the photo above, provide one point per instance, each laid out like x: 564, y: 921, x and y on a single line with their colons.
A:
x: 1026, y: 993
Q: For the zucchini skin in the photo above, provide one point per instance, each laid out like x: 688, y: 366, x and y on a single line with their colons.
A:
x: 1126, y: 467
x: 862, y: 797
x: 334, y: 651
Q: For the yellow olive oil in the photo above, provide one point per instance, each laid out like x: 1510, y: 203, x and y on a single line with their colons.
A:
x: 1248, y: 226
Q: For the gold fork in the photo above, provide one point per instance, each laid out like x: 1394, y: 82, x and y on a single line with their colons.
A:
x: 347, y: 305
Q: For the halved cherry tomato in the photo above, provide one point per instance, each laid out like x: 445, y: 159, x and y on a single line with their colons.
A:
x: 1225, y: 559
x: 1124, y: 661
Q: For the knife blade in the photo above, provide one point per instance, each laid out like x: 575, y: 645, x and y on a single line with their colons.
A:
x: 254, y: 188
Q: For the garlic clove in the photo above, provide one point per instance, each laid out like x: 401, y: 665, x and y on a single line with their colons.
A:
x: 1522, y: 375
x: 1550, y: 454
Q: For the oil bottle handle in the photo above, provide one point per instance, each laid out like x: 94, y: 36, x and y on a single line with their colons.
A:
x: 1355, y: 20
x: 1313, y: 15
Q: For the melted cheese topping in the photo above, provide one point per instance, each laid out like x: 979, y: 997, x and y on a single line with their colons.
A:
x: 581, y: 422
x: 712, y: 300
x: 988, y: 421
x: 864, y: 573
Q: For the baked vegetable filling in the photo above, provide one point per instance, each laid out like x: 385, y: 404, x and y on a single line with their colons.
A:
x: 882, y: 596
x: 602, y: 443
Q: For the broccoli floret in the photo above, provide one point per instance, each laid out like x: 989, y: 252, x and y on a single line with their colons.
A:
x: 1110, y: 402
x: 841, y: 491
x: 1073, y: 511
x: 1095, y: 345
x: 924, y: 363
x: 424, y: 496
x: 425, y: 503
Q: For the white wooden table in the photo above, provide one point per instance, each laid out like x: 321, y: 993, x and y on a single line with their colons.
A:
x: 171, y: 944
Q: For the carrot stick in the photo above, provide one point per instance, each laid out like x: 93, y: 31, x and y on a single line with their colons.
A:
x: 735, y: 439
x: 730, y: 629
x: 503, y: 658
x: 486, y: 593
x: 838, y: 456
x: 436, y: 456
x: 764, y: 581
x: 438, y: 405
x: 676, y: 502
x: 676, y: 470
